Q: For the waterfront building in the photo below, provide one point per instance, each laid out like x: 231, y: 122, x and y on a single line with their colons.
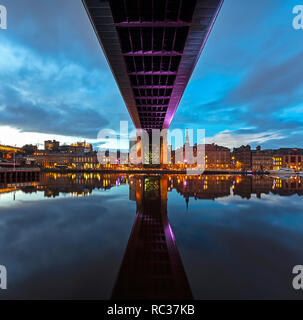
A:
x: 288, y: 158
x: 242, y: 158
x: 293, y: 161
x: 66, y: 160
x: 277, y: 161
x: 217, y: 157
x: 51, y: 145
x: 54, y: 146
x: 29, y: 149
x: 77, y: 147
x: 81, y: 160
x: 292, y: 158
x: 262, y: 160
x: 6, y: 152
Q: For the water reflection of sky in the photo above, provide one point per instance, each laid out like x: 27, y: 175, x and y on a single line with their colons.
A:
x: 239, y: 248
x: 63, y: 247
x: 18, y: 197
x: 72, y: 247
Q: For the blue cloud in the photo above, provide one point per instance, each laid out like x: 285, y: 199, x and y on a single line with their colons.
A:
x: 248, y: 74
x: 56, y: 80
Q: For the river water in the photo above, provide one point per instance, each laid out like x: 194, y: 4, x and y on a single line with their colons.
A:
x: 122, y: 236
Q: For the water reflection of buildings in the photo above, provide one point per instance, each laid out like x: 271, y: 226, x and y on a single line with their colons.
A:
x: 259, y: 185
x: 151, y: 267
x: 215, y: 186
x: 78, y: 184
x: 202, y: 187
x: 197, y: 187
x: 26, y: 181
x: 288, y: 187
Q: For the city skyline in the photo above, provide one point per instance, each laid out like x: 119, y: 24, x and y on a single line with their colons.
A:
x: 148, y: 146
x: 80, y: 156
x: 57, y: 84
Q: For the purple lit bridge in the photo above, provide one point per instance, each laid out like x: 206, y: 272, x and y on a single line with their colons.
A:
x: 152, y: 47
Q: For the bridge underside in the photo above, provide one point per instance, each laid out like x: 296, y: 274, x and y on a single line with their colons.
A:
x: 152, y: 47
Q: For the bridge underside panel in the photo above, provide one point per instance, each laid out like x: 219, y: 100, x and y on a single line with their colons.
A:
x: 152, y: 47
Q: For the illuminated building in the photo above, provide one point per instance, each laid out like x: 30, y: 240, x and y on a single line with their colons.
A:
x: 77, y: 147
x: 262, y: 160
x: 51, y: 145
x: 29, y: 149
x: 277, y: 162
x: 293, y: 161
x: 288, y: 158
x: 67, y: 160
x: 54, y: 146
x: 242, y: 158
x: 6, y: 152
x: 217, y: 157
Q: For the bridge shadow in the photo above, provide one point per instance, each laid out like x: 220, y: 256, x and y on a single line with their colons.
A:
x: 152, y: 267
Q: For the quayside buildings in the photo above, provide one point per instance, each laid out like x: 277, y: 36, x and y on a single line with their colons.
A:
x: 81, y: 156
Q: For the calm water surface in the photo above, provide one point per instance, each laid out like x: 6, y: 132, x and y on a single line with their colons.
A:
x: 93, y: 236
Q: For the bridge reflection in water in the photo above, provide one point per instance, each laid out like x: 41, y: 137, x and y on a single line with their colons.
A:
x: 151, y: 267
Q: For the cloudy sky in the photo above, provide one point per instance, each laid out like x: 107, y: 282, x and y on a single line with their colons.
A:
x: 246, y: 88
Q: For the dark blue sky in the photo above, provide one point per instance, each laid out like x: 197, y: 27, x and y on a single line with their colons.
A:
x: 246, y: 88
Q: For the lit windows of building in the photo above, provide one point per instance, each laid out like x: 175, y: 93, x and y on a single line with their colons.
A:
x: 242, y: 158
x: 277, y: 162
x: 51, y: 145
x: 262, y: 160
